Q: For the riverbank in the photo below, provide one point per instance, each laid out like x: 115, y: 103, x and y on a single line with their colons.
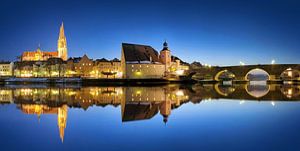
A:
x: 89, y: 81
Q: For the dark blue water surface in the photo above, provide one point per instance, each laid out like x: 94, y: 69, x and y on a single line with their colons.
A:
x: 200, y: 118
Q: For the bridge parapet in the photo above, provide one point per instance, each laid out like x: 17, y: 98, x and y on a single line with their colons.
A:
x: 274, y: 71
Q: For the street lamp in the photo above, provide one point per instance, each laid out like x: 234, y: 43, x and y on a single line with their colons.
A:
x: 273, y: 61
x: 242, y: 63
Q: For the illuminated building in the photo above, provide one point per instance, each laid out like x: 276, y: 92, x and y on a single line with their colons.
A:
x: 81, y: 66
x: 144, y: 62
x: 6, y: 68
x: 104, y: 68
x: 141, y: 62
x: 165, y: 55
x: 88, y: 68
x: 53, y: 67
x: 39, y: 55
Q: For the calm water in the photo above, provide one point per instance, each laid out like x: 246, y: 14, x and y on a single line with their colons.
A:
x: 172, y: 117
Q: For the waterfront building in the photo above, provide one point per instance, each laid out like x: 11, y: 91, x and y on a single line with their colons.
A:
x: 81, y: 66
x: 53, y: 67
x: 89, y: 68
x: 39, y: 55
x: 109, y: 69
x: 6, y: 69
x: 141, y: 62
x: 144, y: 62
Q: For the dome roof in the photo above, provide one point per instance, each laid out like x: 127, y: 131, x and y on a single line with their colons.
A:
x: 165, y: 44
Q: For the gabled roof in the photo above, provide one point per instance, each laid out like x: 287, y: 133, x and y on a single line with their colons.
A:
x: 115, y: 60
x: 5, y: 62
x: 102, y: 60
x: 74, y: 59
x: 139, y: 53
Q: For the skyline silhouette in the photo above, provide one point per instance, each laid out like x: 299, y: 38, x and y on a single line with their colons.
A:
x: 211, y: 32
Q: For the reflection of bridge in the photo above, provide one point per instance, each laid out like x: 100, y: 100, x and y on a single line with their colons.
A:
x: 136, y: 103
x: 275, y: 72
x: 249, y: 92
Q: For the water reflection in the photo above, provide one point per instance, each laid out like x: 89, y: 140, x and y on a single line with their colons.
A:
x: 136, y: 103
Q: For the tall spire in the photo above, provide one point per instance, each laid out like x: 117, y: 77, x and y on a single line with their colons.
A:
x: 62, y: 31
x: 62, y: 43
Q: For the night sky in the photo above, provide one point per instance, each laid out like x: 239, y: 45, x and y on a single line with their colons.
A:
x: 214, y: 32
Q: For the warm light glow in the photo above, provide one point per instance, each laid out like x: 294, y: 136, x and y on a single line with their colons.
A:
x: 273, y: 103
x: 138, y: 73
x: 242, y: 102
x: 242, y: 63
x: 273, y: 61
x: 179, y: 93
x: 179, y: 72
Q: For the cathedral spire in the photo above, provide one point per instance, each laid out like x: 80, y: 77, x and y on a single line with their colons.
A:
x: 62, y: 31
x: 62, y: 44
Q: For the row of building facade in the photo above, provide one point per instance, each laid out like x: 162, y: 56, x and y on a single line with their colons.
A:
x: 137, y: 62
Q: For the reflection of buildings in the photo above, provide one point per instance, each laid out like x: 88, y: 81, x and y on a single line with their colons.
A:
x: 136, y: 103
x: 62, y: 114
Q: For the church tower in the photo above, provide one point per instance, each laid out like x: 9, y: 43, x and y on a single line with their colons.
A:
x: 62, y: 44
x: 165, y: 55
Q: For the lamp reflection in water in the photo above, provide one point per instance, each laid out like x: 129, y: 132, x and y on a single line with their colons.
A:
x: 136, y: 103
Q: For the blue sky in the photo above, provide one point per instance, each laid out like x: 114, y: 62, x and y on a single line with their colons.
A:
x: 215, y: 32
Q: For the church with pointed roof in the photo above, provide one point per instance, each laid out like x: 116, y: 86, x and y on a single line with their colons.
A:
x: 39, y: 55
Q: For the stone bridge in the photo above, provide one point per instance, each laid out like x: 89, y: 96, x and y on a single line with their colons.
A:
x: 276, y: 72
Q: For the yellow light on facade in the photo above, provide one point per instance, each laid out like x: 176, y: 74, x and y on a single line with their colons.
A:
x: 290, y: 73
x: 179, y: 72
x: 138, y: 92
x: 179, y: 93
x: 138, y: 73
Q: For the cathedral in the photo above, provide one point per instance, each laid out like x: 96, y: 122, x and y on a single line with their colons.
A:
x: 39, y: 55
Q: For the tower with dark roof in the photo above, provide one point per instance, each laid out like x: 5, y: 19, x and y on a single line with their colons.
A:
x: 165, y: 54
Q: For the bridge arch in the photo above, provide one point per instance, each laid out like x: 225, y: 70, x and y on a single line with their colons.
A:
x: 257, y: 91
x: 229, y: 75
x: 290, y: 74
x: 290, y: 91
x: 258, y: 70
x: 224, y: 90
